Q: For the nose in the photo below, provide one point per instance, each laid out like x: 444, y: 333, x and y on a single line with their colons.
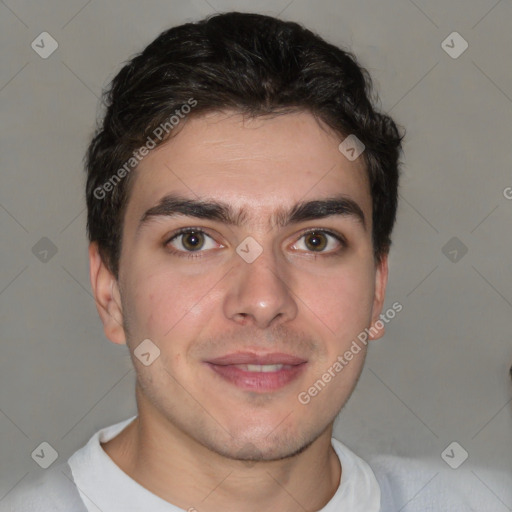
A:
x: 259, y: 293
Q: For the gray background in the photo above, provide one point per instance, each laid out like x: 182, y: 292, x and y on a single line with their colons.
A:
x: 441, y: 372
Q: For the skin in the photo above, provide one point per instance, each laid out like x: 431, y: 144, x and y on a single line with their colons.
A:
x: 199, y: 441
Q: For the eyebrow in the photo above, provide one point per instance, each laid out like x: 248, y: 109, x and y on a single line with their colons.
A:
x: 174, y: 205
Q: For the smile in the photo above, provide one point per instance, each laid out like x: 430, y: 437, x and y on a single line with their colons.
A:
x: 258, y: 373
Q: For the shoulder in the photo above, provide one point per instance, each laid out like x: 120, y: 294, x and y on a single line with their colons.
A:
x: 52, y: 490
x: 419, y: 485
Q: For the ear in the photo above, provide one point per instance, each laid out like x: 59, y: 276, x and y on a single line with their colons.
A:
x: 106, y: 294
x: 381, y: 281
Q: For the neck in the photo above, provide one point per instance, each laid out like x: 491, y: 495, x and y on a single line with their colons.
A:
x: 173, y: 466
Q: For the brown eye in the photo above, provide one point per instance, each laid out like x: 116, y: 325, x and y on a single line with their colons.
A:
x: 315, y: 241
x: 192, y: 241
x: 320, y: 241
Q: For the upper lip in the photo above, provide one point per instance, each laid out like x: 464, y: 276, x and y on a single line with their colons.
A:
x: 253, y: 358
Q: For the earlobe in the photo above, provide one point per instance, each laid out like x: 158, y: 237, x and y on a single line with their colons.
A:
x: 377, y: 328
x: 107, y: 297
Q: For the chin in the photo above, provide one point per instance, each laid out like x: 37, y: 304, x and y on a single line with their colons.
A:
x: 257, y: 445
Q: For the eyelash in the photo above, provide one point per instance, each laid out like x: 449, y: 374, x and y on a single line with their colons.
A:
x: 198, y: 254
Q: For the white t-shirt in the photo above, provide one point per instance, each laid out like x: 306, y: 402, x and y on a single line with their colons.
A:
x: 104, y: 487
x: 431, y: 485
x: 91, y: 481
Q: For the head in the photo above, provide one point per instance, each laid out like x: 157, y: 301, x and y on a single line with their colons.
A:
x: 229, y: 129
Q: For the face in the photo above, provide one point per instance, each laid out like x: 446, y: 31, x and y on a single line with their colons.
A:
x: 251, y: 293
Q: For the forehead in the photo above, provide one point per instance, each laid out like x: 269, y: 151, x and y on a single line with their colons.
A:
x: 259, y: 165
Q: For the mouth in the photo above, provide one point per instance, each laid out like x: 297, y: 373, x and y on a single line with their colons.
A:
x: 261, y: 373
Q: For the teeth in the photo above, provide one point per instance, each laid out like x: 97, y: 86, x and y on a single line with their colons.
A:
x: 260, y: 367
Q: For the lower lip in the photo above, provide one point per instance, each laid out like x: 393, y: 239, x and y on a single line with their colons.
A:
x: 258, y: 381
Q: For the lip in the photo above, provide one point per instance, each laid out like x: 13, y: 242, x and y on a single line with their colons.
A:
x: 253, y: 358
x: 230, y: 367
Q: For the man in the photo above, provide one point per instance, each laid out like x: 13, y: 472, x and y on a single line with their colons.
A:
x: 241, y: 194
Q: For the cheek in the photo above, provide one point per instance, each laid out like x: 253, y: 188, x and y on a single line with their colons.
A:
x: 164, y: 303
x: 343, y: 302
